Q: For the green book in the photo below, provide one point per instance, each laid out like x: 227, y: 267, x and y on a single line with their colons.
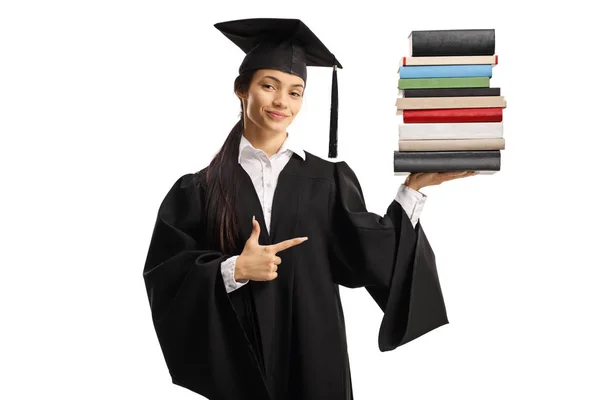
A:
x: 432, y: 83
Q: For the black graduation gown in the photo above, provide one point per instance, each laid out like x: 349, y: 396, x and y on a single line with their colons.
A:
x: 285, y: 338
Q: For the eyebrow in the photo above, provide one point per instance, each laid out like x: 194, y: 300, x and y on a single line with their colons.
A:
x: 277, y: 80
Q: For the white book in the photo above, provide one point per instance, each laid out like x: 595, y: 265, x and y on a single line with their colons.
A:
x: 451, y: 144
x: 449, y: 60
x: 454, y: 130
x: 424, y: 103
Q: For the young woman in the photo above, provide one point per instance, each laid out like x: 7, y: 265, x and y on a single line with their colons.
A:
x: 247, y: 254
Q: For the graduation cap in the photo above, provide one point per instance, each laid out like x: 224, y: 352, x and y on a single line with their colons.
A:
x: 286, y: 45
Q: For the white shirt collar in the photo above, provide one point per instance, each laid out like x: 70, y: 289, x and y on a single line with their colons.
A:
x: 288, y: 144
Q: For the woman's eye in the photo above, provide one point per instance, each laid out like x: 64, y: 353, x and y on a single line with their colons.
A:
x: 271, y: 86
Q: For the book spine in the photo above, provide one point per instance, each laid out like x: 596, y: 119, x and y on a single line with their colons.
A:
x: 446, y: 71
x: 427, y: 131
x: 453, y: 115
x: 443, y: 60
x: 432, y: 83
x: 453, y: 42
x: 451, y: 144
x: 421, y: 103
x: 446, y: 161
x: 451, y: 92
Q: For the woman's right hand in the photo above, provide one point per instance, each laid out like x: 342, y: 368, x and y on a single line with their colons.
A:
x: 419, y: 180
x: 257, y: 262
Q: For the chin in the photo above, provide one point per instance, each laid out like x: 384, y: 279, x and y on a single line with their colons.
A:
x: 276, y: 124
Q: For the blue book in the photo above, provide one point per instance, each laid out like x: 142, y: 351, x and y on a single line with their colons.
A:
x: 446, y: 71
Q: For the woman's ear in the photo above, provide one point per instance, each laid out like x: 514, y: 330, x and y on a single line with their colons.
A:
x: 241, y: 95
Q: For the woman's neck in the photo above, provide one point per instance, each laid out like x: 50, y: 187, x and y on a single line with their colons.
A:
x: 270, y: 143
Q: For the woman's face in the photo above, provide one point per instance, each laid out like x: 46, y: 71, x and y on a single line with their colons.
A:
x: 272, y: 93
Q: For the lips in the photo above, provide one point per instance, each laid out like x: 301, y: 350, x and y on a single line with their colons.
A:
x: 276, y: 115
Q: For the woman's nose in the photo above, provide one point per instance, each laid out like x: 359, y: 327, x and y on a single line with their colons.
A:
x: 279, y: 99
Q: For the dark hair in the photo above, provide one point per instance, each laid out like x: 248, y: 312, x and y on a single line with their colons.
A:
x: 222, y: 182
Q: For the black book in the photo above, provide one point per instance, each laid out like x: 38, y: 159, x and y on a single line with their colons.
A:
x: 451, y: 92
x: 446, y: 161
x: 452, y: 42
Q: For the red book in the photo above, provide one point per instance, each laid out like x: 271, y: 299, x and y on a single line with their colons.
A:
x: 453, y: 115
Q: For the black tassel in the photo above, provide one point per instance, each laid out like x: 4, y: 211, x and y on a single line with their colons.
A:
x: 333, y: 122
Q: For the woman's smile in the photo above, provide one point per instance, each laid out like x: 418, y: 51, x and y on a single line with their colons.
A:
x: 276, y: 116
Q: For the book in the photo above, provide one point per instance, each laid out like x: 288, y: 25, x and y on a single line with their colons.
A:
x: 446, y: 161
x: 453, y: 118
x: 451, y: 144
x: 449, y: 92
x: 456, y: 115
x: 422, y: 103
x: 449, y: 60
x: 475, y: 130
x: 432, y: 83
x: 445, y: 71
x: 452, y: 42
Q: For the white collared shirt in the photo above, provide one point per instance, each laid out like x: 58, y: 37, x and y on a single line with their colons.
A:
x: 264, y: 172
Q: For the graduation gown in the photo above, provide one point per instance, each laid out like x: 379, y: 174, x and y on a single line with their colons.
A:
x: 285, y: 338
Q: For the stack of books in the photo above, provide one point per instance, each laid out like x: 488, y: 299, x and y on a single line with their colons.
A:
x: 451, y: 117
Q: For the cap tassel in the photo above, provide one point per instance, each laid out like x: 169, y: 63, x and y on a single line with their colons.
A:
x: 333, y: 122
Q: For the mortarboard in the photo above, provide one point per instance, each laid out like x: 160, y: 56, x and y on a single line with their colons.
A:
x: 286, y: 45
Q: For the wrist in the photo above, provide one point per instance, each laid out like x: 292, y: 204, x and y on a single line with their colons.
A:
x: 409, y: 182
x: 414, y: 187
x: 238, y: 268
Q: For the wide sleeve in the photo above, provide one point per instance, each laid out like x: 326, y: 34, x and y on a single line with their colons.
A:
x: 199, y: 333
x: 387, y: 256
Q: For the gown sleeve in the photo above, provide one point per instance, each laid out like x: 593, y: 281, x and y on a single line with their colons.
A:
x: 195, y: 322
x: 387, y: 256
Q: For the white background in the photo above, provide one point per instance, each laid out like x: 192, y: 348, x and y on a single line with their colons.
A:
x: 104, y: 104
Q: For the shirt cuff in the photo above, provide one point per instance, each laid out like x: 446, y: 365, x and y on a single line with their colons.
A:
x: 412, y: 201
x: 227, y: 271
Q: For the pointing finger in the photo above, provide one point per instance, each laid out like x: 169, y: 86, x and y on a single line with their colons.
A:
x: 286, y: 244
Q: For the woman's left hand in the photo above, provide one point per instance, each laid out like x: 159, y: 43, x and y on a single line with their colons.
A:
x: 420, y: 180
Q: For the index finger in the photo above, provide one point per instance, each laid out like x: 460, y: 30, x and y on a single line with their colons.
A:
x: 286, y: 244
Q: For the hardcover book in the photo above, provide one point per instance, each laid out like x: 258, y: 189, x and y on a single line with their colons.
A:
x: 456, y: 115
x: 449, y: 92
x: 476, y: 130
x: 422, y: 103
x: 451, y: 144
x: 446, y: 161
x: 446, y: 71
x: 432, y: 83
x: 452, y: 42
x: 449, y: 60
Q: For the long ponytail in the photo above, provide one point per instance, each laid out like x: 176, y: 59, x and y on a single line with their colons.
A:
x: 222, y: 183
